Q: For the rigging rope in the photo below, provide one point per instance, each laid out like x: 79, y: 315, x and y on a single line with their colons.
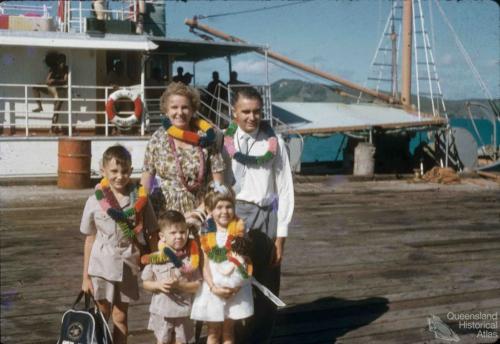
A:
x: 465, y: 54
x: 199, y: 17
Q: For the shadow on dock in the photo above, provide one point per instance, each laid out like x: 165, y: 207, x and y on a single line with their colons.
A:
x: 326, y: 319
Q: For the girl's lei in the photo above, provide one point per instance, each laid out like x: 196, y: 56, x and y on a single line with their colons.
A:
x: 208, y: 240
x: 245, y: 159
x: 167, y: 254
x: 190, y: 136
x: 110, y: 206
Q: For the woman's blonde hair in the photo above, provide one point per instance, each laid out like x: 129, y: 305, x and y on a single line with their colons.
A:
x: 221, y: 193
x: 180, y: 89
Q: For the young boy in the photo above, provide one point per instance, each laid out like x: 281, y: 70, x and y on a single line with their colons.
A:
x: 173, y: 276
x: 115, y: 220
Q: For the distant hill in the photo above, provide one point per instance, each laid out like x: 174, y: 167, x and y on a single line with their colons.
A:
x: 291, y: 90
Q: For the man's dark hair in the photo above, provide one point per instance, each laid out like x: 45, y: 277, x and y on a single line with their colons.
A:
x: 247, y: 92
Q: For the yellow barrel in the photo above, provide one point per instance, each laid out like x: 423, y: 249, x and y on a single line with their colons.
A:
x: 73, y: 171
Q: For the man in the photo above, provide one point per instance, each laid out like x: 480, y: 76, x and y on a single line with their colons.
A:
x: 212, y: 86
x: 57, y: 77
x: 180, y: 75
x: 264, y: 200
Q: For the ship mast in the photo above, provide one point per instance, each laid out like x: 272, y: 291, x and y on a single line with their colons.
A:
x: 406, y: 54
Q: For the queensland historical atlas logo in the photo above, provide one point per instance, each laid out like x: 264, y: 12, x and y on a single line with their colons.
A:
x: 441, y: 330
x: 483, y: 325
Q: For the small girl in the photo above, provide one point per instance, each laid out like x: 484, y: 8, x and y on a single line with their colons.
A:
x: 173, y: 276
x: 226, y: 293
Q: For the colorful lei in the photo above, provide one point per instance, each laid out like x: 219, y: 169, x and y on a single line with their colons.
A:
x: 190, y: 136
x: 236, y: 228
x: 167, y: 254
x: 180, y: 172
x: 245, y: 159
x: 110, y: 206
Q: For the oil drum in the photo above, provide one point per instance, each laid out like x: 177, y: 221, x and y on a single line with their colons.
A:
x: 74, y: 156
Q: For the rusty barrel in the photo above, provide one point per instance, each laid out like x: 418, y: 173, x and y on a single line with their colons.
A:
x: 73, y: 170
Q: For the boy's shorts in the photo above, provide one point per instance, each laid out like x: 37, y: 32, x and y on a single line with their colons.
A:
x: 112, y: 291
x: 164, y: 328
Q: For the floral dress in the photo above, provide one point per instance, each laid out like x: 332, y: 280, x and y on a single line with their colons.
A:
x: 159, y: 160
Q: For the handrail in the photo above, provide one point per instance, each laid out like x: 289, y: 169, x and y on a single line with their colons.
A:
x: 45, y: 9
x: 79, y: 101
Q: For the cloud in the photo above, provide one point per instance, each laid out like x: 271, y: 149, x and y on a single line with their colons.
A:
x: 251, y: 66
x: 447, y: 60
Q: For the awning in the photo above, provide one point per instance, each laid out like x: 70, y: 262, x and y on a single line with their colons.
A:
x: 75, y: 40
x: 187, y: 50
x: 315, y: 118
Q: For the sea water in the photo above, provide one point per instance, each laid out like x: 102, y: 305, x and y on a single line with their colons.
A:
x: 330, y: 148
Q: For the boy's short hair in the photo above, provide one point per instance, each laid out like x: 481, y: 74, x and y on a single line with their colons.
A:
x: 214, y: 196
x: 170, y: 217
x: 119, y: 153
x: 247, y: 92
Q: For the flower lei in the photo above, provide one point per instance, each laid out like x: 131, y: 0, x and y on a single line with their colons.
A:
x: 208, y: 240
x: 166, y: 254
x: 110, y: 206
x: 190, y: 136
x: 245, y: 159
x: 180, y: 172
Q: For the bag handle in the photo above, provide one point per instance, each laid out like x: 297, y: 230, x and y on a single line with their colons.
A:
x: 88, y: 297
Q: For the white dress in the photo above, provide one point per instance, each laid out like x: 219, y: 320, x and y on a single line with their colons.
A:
x: 209, y: 307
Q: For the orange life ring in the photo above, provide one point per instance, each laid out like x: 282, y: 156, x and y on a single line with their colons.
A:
x: 124, y: 122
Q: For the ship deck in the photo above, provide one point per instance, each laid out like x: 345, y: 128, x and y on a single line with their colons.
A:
x: 366, y: 262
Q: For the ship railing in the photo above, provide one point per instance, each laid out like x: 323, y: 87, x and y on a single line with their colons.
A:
x: 40, y: 10
x: 82, y: 112
x: 78, y: 14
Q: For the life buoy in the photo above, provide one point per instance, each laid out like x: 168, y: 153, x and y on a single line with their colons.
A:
x: 124, y: 122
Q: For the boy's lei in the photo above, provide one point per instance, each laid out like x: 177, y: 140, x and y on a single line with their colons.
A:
x: 236, y: 228
x: 129, y: 220
x: 166, y: 254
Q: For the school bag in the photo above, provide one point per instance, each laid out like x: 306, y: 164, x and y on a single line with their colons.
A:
x: 85, y: 326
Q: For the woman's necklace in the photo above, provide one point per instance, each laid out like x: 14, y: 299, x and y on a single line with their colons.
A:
x: 191, y: 137
x: 110, y: 206
x: 245, y: 159
x: 180, y: 172
x: 167, y: 254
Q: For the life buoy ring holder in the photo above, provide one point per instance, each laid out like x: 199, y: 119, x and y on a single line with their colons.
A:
x: 124, y: 122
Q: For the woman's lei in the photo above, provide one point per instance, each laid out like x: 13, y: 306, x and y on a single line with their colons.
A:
x: 167, y: 254
x: 110, y: 206
x: 236, y: 228
x: 245, y: 159
x: 191, y: 137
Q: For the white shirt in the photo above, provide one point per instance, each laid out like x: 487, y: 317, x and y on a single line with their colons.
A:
x: 263, y: 183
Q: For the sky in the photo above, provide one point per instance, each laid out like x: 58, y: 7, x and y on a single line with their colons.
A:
x: 342, y: 36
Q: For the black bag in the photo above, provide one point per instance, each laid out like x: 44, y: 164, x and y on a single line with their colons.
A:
x: 86, y: 326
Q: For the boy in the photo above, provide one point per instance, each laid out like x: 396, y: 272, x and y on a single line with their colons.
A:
x: 173, y: 276
x: 115, y: 219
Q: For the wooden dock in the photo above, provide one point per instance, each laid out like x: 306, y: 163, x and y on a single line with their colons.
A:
x: 366, y: 262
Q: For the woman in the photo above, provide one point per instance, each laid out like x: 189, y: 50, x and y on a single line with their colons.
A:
x: 181, y: 152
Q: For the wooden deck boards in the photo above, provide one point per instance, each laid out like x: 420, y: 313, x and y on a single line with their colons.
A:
x: 365, y: 262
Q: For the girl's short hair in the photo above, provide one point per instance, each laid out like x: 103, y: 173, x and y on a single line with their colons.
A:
x: 170, y: 217
x: 119, y: 153
x: 180, y: 89
x: 217, y: 194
